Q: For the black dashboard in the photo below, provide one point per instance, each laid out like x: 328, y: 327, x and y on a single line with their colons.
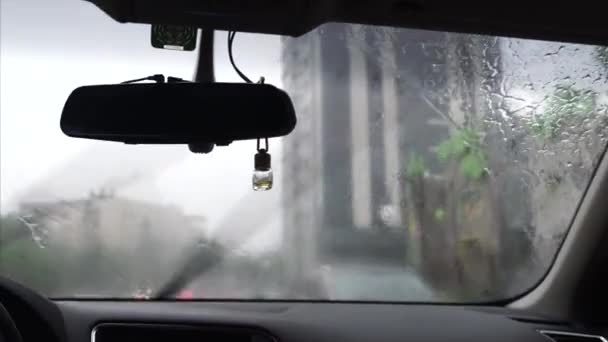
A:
x: 39, y: 319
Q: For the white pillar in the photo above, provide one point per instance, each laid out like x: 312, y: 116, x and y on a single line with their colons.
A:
x: 390, y: 96
x: 361, y: 162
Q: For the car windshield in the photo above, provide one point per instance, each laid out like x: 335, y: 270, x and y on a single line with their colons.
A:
x: 425, y: 166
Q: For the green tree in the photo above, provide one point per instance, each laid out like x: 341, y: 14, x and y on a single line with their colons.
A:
x: 11, y: 230
x: 415, y: 166
x: 24, y: 260
x: 566, y: 106
x: 54, y: 268
x: 464, y: 146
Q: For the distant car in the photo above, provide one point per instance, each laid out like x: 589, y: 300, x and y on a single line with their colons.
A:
x: 375, y: 283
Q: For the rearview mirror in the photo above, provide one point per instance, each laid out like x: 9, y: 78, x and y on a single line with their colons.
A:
x: 178, y: 113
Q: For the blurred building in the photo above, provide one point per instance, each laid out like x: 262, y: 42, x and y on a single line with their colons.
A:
x: 114, y: 223
x: 361, y: 101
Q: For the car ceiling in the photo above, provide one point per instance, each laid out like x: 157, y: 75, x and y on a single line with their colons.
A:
x: 564, y: 21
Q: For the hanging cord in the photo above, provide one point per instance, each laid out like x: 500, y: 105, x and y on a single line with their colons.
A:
x: 231, y: 35
x: 155, y: 78
x: 263, y: 149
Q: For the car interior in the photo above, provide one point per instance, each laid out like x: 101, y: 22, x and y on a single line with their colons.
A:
x: 565, y: 303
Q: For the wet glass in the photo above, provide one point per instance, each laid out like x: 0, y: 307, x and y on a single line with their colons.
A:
x: 425, y: 166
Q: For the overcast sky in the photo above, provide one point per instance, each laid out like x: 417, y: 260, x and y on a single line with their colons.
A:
x: 49, y: 48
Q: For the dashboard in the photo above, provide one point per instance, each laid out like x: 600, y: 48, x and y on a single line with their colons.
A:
x: 100, y: 321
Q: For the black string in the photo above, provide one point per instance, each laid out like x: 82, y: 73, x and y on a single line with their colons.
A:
x: 156, y: 78
x: 231, y: 35
x: 267, y: 146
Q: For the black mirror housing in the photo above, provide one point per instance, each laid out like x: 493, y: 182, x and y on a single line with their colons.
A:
x: 178, y: 113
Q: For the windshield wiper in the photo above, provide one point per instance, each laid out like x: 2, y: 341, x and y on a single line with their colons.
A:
x: 205, y: 257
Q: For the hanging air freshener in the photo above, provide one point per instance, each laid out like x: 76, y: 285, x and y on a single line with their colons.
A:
x: 262, y: 173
